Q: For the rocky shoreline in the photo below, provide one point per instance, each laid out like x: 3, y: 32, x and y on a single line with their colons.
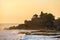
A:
x: 40, y: 33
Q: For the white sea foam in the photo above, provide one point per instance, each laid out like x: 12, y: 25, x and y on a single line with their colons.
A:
x: 10, y: 35
x: 13, y: 35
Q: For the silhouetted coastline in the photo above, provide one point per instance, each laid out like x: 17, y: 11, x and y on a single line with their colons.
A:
x: 42, y: 22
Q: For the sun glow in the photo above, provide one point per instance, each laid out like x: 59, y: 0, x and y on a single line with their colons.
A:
x: 16, y: 11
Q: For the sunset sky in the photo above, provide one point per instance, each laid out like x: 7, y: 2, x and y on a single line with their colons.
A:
x: 16, y: 11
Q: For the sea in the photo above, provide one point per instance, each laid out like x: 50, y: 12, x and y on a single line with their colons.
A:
x: 13, y: 35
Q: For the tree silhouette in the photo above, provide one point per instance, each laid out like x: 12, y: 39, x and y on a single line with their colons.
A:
x: 42, y: 21
x: 57, y: 24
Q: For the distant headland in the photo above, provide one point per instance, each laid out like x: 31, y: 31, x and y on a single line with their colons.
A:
x: 44, y: 21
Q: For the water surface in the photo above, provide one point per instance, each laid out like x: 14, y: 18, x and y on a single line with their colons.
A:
x: 13, y: 35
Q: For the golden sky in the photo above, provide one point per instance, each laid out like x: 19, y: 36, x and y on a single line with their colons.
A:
x: 16, y: 11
